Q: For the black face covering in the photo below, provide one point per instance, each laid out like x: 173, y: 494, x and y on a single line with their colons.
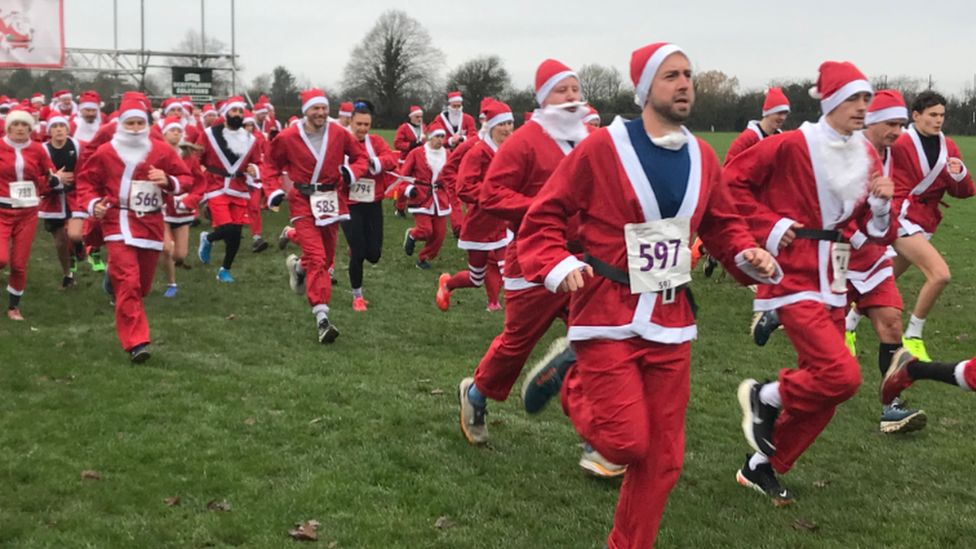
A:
x: 235, y: 122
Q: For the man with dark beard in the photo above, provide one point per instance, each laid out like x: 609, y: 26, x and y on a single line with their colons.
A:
x: 232, y: 159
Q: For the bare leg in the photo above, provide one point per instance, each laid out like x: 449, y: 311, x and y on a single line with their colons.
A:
x: 918, y: 251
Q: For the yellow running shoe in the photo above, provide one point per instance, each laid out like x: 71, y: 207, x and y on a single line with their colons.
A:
x: 916, y: 346
x: 851, y: 339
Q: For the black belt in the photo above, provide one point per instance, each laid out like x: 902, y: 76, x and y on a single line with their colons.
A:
x: 308, y: 189
x: 830, y: 235
x: 614, y: 274
x: 222, y: 173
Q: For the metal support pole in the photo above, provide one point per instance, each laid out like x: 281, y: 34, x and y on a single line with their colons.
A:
x: 142, y: 43
x: 203, y: 32
x: 233, y: 49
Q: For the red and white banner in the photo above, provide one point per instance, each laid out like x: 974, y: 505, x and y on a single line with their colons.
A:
x: 32, y: 33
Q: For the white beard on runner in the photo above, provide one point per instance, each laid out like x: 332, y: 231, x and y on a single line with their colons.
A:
x: 85, y: 131
x: 132, y: 147
x: 454, y: 116
x: 238, y: 141
x: 436, y: 158
x: 561, y: 123
x: 846, y: 165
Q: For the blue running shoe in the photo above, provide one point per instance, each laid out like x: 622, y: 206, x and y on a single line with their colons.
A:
x: 170, y: 291
x: 204, y: 251
x: 546, y: 376
x: 107, y: 286
x: 763, y: 326
x: 898, y: 418
x: 223, y: 275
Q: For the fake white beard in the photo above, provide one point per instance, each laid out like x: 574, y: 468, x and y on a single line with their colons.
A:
x: 238, y: 141
x: 436, y: 158
x: 846, y: 166
x: 561, y: 123
x: 454, y: 115
x: 672, y: 141
x: 85, y: 131
x: 132, y: 147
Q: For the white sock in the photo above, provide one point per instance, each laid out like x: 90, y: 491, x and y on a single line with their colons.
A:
x: 756, y: 460
x: 256, y: 237
x: 853, y: 319
x: 961, y: 377
x: 915, y: 327
x: 769, y: 395
x: 321, y: 315
x: 299, y: 269
x: 357, y: 292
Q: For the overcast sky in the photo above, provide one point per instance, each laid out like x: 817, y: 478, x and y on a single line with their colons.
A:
x: 757, y: 41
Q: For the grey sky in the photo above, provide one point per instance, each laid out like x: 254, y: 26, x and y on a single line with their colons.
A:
x: 756, y: 41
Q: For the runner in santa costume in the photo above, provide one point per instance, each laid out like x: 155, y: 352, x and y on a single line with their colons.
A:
x: 775, y: 109
x: 123, y: 185
x: 312, y: 154
x: 799, y: 191
x: 208, y: 115
x: 64, y: 103
x: 254, y: 220
x: 232, y: 158
x: 483, y: 236
x: 62, y: 214
x: 410, y: 135
x: 927, y: 165
x: 26, y: 175
x: 429, y: 200
x: 345, y: 114
x: 85, y: 124
x: 178, y: 218
x: 592, y: 117
x: 641, y: 188
x: 364, y: 228
x: 39, y: 132
x: 516, y: 175
x: 457, y: 124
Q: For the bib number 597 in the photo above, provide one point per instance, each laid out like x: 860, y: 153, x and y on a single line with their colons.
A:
x: 660, y: 255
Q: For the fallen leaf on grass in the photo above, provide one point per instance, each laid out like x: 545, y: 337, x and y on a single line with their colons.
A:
x: 33, y: 329
x: 316, y: 420
x: 61, y: 344
x: 218, y: 505
x: 821, y: 483
x: 804, y: 524
x: 88, y: 474
x: 250, y: 421
x: 949, y: 421
x: 424, y: 381
x: 230, y: 317
x: 443, y: 523
x: 333, y: 544
x: 172, y: 502
x: 962, y: 337
x: 305, y: 531
x: 437, y: 391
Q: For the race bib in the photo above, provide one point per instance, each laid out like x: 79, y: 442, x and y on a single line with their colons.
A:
x: 658, y: 256
x: 144, y: 197
x: 23, y: 194
x: 363, y: 190
x: 840, y: 257
x: 324, y: 204
x: 178, y: 205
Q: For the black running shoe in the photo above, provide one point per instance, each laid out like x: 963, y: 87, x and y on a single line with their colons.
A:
x: 763, y: 480
x: 408, y: 243
x: 763, y: 326
x: 327, y: 331
x: 423, y: 265
x: 139, y: 353
x: 259, y: 245
x: 758, y: 418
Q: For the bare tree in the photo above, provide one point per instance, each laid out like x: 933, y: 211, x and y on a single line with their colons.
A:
x: 394, y: 64
x: 600, y: 85
x: 479, y: 78
x: 192, y: 42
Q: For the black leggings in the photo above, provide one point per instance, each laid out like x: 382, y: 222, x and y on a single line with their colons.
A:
x: 364, y: 234
x: 231, y: 235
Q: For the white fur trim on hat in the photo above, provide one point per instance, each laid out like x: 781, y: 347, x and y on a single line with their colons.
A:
x: 19, y: 116
x: 500, y: 118
x: 591, y: 117
x: 828, y: 104
x: 438, y: 131
x: 416, y: 111
x: 543, y: 91
x: 650, y: 69
x: 317, y: 100
x: 57, y: 120
x: 132, y: 113
x: 172, y: 125
x: 884, y: 115
x: 88, y: 105
x: 776, y: 109
x: 228, y: 106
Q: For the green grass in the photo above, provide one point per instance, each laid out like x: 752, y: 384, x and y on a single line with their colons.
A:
x: 362, y: 435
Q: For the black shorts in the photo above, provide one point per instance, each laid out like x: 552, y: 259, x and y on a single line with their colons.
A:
x: 178, y: 225
x: 54, y: 225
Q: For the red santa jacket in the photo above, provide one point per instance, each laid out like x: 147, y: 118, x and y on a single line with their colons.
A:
x: 107, y: 176
x: 870, y: 262
x: 408, y: 138
x: 427, y: 192
x: 449, y: 174
x: 223, y: 177
x: 517, y: 173
x: 466, y: 128
x: 176, y: 210
x: 782, y: 180
x: 381, y: 161
x: 750, y: 136
x: 64, y: 203
x: 603, y: 181
x: 481, y: 230
x: 292, y: 153
x: 923, y: 186
x: 23, y: 162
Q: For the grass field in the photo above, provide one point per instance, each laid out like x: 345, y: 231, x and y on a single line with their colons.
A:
x: 240, y: 404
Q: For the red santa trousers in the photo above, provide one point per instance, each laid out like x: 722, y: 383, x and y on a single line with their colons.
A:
x: 93, y: 233
x: 627, y: 399
x: 528, y: 315
x: 457, y: 215
x: 318, y: 246
x: 131, y: 271
x: 17, y: 228
x: 483, y: 270
x: 430, y: 229
x: 826, y: 375
x: 254, y: 212
x: 227, y: 210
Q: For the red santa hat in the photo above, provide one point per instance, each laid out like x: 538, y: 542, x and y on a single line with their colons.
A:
x: 886, y: 105
x: 838, y: 80
x: 55, y: 117
x: 438, y: 131
x: 249, y: 117
x: 132, y: 107
x: 235, y: 102
x: 526, y: 116
x: 89, y: 100
x: 644, y: 63
x: 61, y: 93
x: 187, y: 104
x: 37, y: 98
x: 4, y: 101
x: 19, y: 114
x: 136, y: 96
x: 209, y: 110
x: 313, y: 97
x: 260, y: 108
x: 550, y: 73
x: 293, y: 120
x: 454, y: 97
x: 496, y: 112
x: 170, y: 104
x: 415, y: 109
x: 345, y: 108
x: 171, y: 122
x: 775, y: 102
x: 591, y: 115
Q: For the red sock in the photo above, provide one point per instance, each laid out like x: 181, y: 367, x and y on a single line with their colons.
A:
x: 493, y: 282
x: 460, y: 280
